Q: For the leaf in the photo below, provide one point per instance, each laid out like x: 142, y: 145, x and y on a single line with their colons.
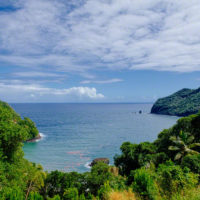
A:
x: 190, y: 139
x: 173, y: 148
x: 194, y: 145
x: 173, y: 138
x: 178, y: 156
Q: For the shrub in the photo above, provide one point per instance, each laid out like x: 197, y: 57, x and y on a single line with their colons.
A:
x: 144, y: 184
x: 13, y: 194
x: 57, y: 197
x: 121, y: 195
x: 82, y: 197
x: 172, y: 178
x: 30, y: 127
x: 70, y: 194
x: 103, y: 191
x: 192, y: 162
x: 100, y: 174
x: 35, y: 196
x: 134, y: 156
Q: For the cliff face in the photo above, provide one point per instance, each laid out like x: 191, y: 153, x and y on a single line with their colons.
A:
x: 181, y: 103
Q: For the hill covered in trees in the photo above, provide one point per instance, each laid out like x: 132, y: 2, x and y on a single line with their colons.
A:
x: 181, y: 103
x: 30, y: 130
x: 165, y: 169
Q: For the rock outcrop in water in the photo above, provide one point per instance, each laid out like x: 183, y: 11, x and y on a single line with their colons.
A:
x: 181, y: 103
x: 95, y: 161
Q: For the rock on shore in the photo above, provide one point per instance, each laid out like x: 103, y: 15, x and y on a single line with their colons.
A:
x: 34, y: 139
x: 104, y: 160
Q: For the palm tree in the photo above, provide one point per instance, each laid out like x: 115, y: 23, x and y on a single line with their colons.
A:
x: 183, y: 144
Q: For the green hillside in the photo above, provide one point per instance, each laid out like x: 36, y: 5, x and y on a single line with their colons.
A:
x: 166, y: 169
x: 181, y: 103
x: 27, y: 124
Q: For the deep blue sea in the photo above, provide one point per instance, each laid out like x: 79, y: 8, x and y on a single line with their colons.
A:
x: 75, y: 134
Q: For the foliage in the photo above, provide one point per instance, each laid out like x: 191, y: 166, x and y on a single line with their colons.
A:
x: 192, y: 162
x: 187, y: 194
x: 121, y: 195
x: 182, y: 103
x: 56, y: 197
x: 13, y: 194
x: 134, y: 156
x: 13, y: 131
x: 144, y: 184
x: 71, y: 194
x: 35, y: 196
x: 172, y: 178
x: 82, y: 197
x: 145, y: 167
x: 57, y: 182
x: 99, y: 175
x: 183, y: 145
x: 30, y: 127
x: 104, y: 190
x: 11, y: 135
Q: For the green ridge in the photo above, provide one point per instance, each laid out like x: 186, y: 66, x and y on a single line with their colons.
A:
x: 182, y: 103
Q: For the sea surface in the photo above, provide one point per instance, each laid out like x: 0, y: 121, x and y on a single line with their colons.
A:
x: 74, y: 134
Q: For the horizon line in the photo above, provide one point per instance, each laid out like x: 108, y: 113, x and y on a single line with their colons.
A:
x: 81, y: 102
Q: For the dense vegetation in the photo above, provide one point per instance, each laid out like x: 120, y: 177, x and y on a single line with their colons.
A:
x: 181, y: 103
x: 166, y: 169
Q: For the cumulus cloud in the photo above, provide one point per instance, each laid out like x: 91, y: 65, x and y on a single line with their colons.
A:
x: 84, y: 35
x: 33, y: 91
x: 114, y: 80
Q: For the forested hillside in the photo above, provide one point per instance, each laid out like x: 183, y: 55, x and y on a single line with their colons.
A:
x: 182, y: 103
x: 166, y: 169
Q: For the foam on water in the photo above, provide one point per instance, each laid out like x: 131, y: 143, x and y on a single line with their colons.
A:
x: 42, y: 137
x: 87, y: 165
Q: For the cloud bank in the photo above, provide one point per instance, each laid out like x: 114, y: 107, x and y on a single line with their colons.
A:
x: 114, y: 80
x: 83, y: 35
x: 36, y: 92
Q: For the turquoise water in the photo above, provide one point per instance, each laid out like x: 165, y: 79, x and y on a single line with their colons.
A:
x: 74, y: 134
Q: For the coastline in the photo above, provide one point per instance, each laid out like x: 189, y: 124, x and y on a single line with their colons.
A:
x: 34, y: 139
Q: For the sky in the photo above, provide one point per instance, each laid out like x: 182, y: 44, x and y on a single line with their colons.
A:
x: 98, y: 50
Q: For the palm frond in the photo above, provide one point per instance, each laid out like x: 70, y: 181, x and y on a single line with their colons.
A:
x: 173, y: 148
x: 190, y: 139
x: 178, y: 156
x: 193, y: 145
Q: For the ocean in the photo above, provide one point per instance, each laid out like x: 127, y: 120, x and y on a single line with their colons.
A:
x: 74, y: 134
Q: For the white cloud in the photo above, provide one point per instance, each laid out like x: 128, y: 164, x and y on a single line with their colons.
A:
x: 81, y: 36
x: 36, y: 74
x: 73, y: 93
x: 114, y: 80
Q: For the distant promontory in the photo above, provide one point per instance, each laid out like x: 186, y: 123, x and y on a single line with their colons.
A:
x: 182, y: 103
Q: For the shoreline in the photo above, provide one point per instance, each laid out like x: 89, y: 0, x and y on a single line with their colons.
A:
x: 34, y: 139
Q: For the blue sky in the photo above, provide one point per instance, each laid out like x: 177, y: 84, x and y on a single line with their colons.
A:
x: 98, y: 50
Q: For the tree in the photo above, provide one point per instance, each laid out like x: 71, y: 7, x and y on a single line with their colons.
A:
x: 134, y: 156
x: 144, y: 183
x: 99, y: 175
x: 30, y: 127
x: 35, y: 178
x: 71, y: 194
x: 192, y: 162
x: 12, y: 135
x: 57, y: 182
x: 183, y: 145
x: 172, y: 179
